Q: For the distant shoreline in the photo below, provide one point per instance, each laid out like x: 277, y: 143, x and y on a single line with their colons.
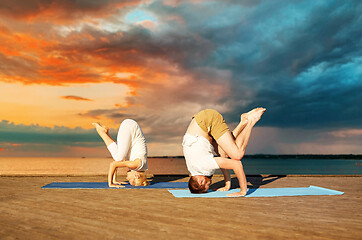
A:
x: 247, y: 156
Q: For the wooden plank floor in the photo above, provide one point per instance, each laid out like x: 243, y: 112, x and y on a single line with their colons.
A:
x: 29, y: 212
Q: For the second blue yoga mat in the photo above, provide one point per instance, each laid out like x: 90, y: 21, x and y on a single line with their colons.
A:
x: 260, y: 192
x: 104, y: 185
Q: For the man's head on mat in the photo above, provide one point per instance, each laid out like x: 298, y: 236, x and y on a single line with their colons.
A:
x: 199, y: 184
x: 136, y: 178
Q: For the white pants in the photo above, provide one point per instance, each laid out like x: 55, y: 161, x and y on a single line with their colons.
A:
x: 131, y: 144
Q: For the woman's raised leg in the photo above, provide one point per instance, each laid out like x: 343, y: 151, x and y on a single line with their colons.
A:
x: 119, y: 149
x: 103, y: 133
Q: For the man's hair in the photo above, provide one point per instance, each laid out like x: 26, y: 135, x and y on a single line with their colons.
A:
x: 195, y: 187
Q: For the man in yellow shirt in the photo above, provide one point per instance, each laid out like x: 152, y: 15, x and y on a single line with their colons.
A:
x: 206, y: 129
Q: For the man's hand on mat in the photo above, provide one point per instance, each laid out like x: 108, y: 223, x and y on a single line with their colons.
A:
x: 237, y: 194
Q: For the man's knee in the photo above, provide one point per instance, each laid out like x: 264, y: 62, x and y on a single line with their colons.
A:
x: 236, y: 156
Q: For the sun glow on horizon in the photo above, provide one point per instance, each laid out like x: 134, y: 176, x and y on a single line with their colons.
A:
x: 46, y: 105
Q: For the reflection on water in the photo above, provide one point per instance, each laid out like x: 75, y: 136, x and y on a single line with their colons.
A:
x: 82, y: 166
x: 174, y: 165
x: 54, y: 166
x: 313, y: 166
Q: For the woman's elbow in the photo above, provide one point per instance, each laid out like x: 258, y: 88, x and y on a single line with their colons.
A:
x: 112, y: 164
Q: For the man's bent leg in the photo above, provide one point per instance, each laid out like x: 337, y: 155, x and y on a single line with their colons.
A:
x: 239, y: 128
x: 235, y: 149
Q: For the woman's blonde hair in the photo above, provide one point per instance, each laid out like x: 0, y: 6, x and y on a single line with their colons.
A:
x: 142, y: 180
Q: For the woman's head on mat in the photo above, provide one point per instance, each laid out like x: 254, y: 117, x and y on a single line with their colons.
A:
x: 137, y: 178
x: 199, y: 184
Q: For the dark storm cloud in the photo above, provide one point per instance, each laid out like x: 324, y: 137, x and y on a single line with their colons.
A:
x: 314, y: 79
x: 300, y: 59
x: 67, y: 10
x: 137, y: 45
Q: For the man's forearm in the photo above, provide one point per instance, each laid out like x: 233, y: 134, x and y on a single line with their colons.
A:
x: 227, y: 178
x: 239, y: 172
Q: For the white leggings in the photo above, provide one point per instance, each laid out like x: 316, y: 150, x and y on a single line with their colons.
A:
x: 131, y: 144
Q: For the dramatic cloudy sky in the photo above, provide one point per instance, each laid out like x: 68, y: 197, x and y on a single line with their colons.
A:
x: 65, y: 64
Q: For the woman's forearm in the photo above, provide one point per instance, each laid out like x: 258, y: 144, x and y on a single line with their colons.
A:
x: 112, y: 169
x: 114, y: 165
x: 115, y: 176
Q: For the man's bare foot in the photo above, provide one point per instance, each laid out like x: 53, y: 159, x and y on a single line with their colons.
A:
x: 237, y: 194
x: 255, y: 115
x: 242, y: 193
x: 244, y: 118
x: 100, y: 128
x: 223, y: 189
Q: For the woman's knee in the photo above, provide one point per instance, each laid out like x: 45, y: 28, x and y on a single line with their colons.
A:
x: 128, y: 123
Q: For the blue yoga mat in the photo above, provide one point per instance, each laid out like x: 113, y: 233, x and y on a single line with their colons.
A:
x: 104, y: 185
x: 260, y: 192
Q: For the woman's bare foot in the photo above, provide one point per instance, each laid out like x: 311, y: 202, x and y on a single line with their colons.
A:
x: 237, y: 194
x: 100, y: 128
x: 115, y: 185
x: 255, y: 115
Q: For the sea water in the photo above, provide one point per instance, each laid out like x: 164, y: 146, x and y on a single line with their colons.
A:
x: 274, y: 165
x: 303, y: 166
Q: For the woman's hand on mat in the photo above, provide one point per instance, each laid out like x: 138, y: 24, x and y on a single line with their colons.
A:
x: 115, y: 185
x: 120, y: 183
x: 237, y: 194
